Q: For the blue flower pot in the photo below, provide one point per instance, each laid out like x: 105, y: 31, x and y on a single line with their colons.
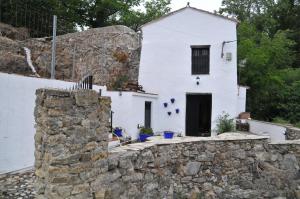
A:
x: 143, y: 137
x: 168, y: 134
x: 118, y: 132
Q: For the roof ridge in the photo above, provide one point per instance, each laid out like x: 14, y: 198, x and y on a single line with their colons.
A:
x: 194, y: 8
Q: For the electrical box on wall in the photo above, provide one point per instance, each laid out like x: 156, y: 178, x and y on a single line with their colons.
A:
x: 228, y: 56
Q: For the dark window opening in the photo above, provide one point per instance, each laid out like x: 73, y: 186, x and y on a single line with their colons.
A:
x: 147, y: 115
x: 200, y: 60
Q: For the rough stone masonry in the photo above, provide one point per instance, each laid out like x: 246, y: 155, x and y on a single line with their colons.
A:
x: 72, y: 159
x: 71, y: 142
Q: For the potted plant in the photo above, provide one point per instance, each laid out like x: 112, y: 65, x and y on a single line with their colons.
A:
x: 118, y: 131
x: 168, y: 134
x: 145, y: 133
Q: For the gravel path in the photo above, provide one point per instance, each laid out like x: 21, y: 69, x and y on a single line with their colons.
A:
x: 18, y: 184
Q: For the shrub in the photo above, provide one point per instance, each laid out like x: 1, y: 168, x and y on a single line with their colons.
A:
x: 297, y: 125
x: 147, y: 131
x: 280, y: 120
x: 121, y: 56
x: 120, y: 82
x: 225, y: 124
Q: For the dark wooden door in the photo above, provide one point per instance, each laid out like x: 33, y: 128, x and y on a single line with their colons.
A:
x: 147, y: 115
x: 198, y: 114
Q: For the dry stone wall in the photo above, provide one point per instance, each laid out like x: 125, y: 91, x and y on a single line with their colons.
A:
x: 71, y: 142
x: 249, y: 168
x: 72, y: 160
x: 292, y: 133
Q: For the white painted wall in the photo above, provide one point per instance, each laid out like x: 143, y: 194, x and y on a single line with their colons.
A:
x: 129, y: 110
x: 241, y: 99
x: 17, y: 131
x: 276, y: 132
x: 165, y: 66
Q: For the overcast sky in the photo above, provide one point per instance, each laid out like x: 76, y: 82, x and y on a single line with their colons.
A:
x: 209, y: 5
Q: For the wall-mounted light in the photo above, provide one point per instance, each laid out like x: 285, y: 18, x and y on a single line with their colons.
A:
x: 165, y: 104
x: 197, y: 81
x: 172, y: 100
x: 223, y: 44
x: 169, y: 113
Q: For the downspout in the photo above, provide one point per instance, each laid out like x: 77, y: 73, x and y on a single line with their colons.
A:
x: 29, y: 62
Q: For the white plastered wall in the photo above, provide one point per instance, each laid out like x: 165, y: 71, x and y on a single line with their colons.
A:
x: 165, y: 66
x: 129, y: 110
x: 17, y: 130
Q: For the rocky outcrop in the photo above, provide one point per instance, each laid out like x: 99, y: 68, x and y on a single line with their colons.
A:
x: 13, y: 33
x: 111, y: 54
x: 12, y: 57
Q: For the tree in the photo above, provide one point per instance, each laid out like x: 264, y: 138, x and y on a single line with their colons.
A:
x: 111, y: 12
x: 82, y: 13
x: 153, y: 10
x: 268, y: 48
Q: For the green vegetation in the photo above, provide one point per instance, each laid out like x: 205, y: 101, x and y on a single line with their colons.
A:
x: 92, y: 13
x: 297, y: 125
x: 147, y: 131
x: 280, y: 120
x: 269, y: 56
x: 120, y: 82
x: 225, y: 124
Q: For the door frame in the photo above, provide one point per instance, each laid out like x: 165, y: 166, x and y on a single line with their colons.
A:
x: 196, y: 93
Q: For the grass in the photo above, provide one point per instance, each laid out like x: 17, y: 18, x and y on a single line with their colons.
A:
x: 297, y: 124
x: 280, y: 120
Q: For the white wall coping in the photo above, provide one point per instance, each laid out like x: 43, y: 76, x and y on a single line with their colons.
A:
x: 135, y: 93
x: 271, y: 123
x: 159, y: 140
x: 150, y: 95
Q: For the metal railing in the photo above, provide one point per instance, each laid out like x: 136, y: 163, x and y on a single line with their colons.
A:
x: 86, y: 83
x: 35, y: 16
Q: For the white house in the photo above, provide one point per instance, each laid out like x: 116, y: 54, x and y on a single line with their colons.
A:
x: 189, y: 72
x: 190, y: 56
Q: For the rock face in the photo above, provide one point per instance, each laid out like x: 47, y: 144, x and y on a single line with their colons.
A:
x: 12, y: 57
x: 111, y: 54
x: 71, y: 142
x: 72, y: 160
x: 13, y: 33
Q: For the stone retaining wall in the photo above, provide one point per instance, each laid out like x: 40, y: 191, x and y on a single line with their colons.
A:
x: 72, y: 161
x: 292, y: 133
x: 71, y: 142
x: 247, y: 168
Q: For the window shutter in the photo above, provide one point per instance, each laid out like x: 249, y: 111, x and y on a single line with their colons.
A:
x: 200, y: 60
